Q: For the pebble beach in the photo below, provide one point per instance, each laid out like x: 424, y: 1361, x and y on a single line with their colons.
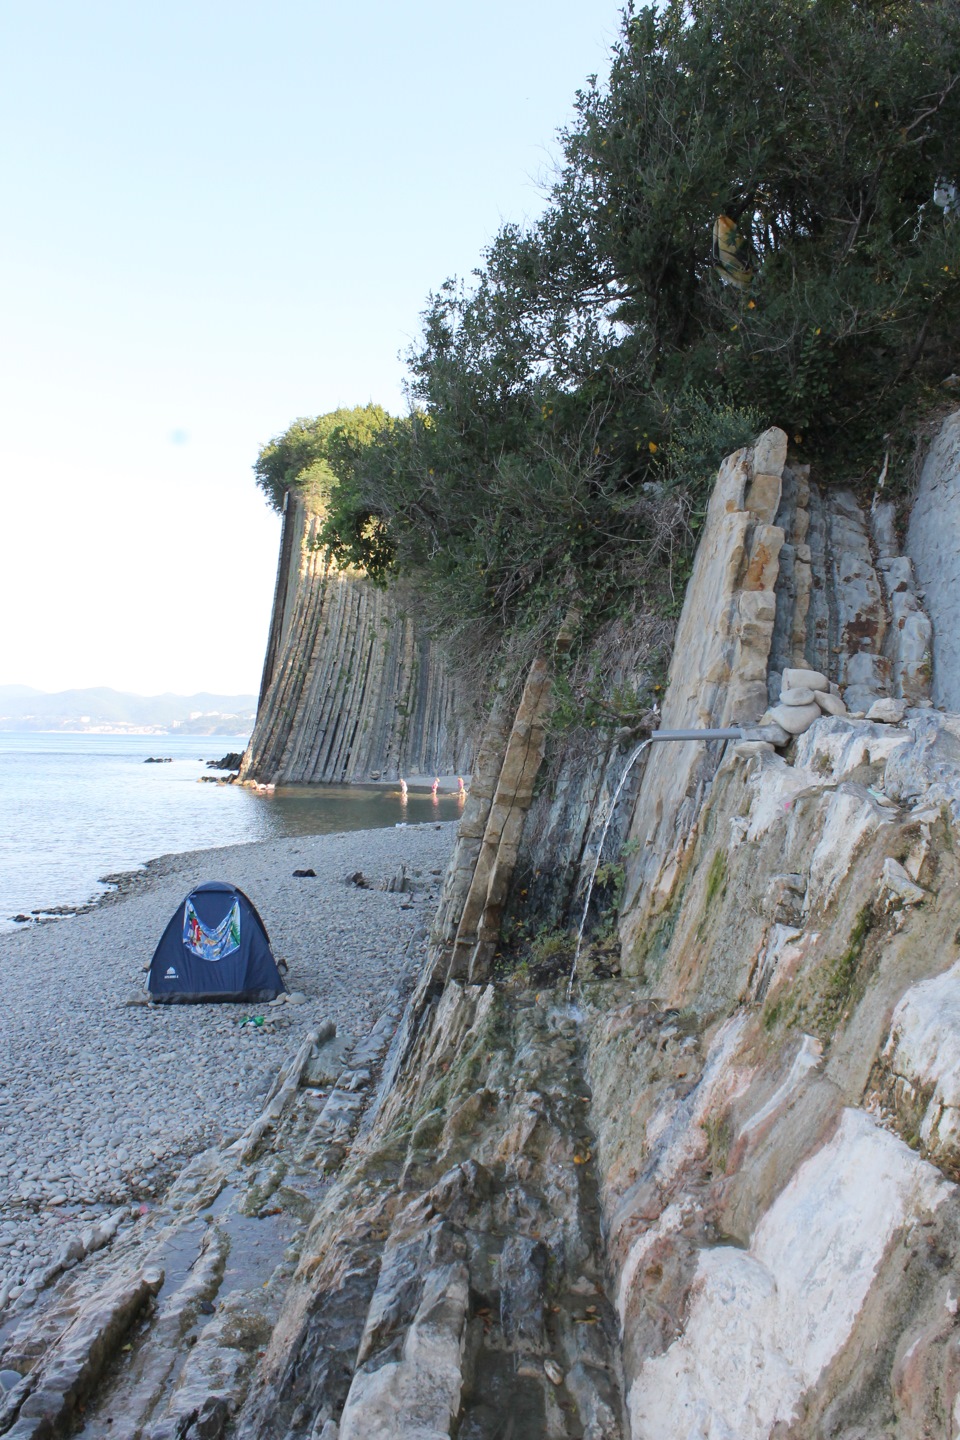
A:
x: 103, y: 1097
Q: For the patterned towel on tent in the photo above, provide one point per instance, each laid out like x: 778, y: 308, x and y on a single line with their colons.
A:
x: 211, y: 944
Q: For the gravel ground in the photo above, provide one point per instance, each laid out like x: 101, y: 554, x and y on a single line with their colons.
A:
x: 101, y: 1101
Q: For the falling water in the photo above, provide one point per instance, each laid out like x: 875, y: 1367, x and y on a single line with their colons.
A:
x: 596, y: 863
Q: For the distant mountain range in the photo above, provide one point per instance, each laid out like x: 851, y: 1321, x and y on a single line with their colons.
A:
x: 116, y: 712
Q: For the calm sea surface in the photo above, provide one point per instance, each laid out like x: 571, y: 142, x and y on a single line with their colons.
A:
x: 76, y: 807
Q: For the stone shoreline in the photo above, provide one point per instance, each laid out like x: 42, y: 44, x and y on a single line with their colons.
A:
x: 102, y: 1100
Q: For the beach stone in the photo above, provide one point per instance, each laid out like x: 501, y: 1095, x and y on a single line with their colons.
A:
x: 795, y: 719
x: 830, y: 704
x: 804, y: 679
x: 98, y: 1099
x: 797, y: 695
x: 888, y: 712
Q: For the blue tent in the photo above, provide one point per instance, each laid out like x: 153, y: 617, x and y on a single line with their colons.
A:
x: 215, y: 948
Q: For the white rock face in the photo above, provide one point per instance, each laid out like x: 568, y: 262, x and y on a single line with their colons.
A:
x: 763, y: 1324
x: 417, y: 1396
x: 899, y: 883
x: 849, y: 820
x: 847, y: 744
x: 924, y: 1050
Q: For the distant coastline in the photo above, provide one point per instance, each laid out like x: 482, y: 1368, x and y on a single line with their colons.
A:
x: 232, y: 725
x: 100, y: 710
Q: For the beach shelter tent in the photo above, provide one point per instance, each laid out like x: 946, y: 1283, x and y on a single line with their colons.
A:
x: 215, y: 948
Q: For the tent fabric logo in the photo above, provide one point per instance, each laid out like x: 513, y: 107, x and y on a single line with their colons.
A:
x: 171, y: 974
x: 211, y: 942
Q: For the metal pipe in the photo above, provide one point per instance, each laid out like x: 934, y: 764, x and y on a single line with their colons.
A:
x: 733, y: 732
x: 771, y: 733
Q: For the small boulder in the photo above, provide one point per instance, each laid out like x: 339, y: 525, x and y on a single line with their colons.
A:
x: 804, y: 679
x: 305, y: 874
x: 795, y: 719
x: 888, y: 712
x: 830, y: 704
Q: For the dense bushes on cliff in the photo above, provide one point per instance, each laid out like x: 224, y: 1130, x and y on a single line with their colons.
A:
x: 568, y: 406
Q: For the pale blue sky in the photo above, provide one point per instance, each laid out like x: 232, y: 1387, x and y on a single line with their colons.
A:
x: 217, y: 217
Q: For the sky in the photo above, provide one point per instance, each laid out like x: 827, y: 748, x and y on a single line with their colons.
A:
x: 216, y: 218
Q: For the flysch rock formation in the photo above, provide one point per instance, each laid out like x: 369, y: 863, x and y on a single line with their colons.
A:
x: 352, y: 688
x: 933, y: 542
x: 716, y: 1196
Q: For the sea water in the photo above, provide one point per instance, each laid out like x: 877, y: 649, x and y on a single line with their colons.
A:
x: 74, y: 808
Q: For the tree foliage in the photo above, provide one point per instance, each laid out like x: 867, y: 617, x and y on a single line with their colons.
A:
x: 570, y: 404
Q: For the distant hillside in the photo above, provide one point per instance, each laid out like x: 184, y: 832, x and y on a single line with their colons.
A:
x: 99, y: 708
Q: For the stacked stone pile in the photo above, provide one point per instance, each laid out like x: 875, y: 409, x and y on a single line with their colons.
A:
x: 805, y: 695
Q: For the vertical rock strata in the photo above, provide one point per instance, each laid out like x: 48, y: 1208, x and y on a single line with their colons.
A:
x: 352, y: 688
x: 718, y: 675
x: 933, y: 543
x: 717, y: 1196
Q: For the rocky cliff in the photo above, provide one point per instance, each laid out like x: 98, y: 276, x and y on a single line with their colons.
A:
x: 352, y: 687
x: 713, y: 1193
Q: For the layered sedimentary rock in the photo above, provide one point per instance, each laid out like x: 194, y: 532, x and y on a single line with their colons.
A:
x: 933, y: 542
x: 353, y: 689
x: 716, y: 1196
x: 847, y: 602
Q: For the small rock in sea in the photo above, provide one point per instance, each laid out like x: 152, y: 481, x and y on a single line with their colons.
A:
x: 159, y: 760
x: 305, y: 874
x: 21, y: 919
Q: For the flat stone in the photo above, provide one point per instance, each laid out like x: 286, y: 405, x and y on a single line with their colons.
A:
x: 797, y: 695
